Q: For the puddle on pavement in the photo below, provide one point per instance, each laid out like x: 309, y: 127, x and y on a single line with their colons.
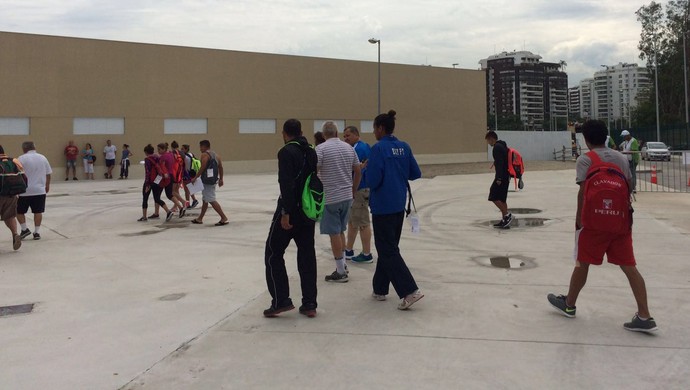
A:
x: 524, y: 211
x: 521, y: 222
x: 141, y: 233
x: 109, y: 192
x: 6, y: 311
x: 56, y: 195
x: 172, y: 297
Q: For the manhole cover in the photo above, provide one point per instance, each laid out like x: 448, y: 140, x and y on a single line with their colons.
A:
x: 16, y: 309
x: 172, y: 297
x: 507, y: 262
x: 524, y: 211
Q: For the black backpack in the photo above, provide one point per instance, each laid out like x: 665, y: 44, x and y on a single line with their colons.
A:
x: 12, y: 180
x: 212, y: 165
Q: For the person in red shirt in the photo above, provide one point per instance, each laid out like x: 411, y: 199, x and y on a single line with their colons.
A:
x: 71, y: 154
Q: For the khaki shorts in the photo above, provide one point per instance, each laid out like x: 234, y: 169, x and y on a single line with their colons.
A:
x: 8, y: 207
x: 359, y: 214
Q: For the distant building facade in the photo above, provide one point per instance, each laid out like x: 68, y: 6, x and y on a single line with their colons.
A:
x: 611, y: 94
x: 518, y: 83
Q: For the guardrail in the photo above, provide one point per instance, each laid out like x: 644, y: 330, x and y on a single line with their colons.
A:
x: 664, y: 175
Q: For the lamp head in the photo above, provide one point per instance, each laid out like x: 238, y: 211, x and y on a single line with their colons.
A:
x: 374, y: 40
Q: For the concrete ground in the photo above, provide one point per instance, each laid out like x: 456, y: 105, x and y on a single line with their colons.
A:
x: 122, y: 304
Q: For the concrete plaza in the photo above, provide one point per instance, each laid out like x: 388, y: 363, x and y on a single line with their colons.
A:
x: 121, y: 304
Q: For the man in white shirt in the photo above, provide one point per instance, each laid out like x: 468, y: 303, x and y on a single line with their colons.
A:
x: 38, y: 171
x: 337, y: 161
x: 109, y: 154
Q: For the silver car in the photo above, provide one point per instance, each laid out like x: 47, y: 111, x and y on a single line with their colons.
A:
x: 655, y: 151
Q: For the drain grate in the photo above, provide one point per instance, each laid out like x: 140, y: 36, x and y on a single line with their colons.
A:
x: 16, y: 309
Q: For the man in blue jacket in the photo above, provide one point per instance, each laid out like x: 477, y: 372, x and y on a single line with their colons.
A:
x: 390, y: 166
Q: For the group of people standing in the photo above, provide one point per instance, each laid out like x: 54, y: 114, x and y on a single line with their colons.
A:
x: 88, y: 156
x: 355, y: 177
x: 172, y: 168
x: 36, y: 172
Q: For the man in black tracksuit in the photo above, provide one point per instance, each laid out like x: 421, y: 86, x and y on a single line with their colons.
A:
x: 498, y: 193
x: 296, y: 160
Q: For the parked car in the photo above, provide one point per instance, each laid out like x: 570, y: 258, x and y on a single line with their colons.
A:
x: 655, y: 151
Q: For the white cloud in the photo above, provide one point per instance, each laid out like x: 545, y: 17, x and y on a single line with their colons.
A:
x: 584, y: 33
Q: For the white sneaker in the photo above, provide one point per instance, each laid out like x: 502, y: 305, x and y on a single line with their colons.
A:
x: 378, y: 297
x: 409, y: 300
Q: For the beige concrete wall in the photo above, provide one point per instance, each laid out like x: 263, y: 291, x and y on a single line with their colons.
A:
x: 441, y: 111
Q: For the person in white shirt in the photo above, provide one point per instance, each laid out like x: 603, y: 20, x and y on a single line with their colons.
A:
x: 109, y: 154
x: 38, y: 171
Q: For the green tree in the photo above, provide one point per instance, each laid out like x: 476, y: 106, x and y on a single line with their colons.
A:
x: 661, y: 42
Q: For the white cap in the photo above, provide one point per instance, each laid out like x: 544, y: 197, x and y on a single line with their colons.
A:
x: 624, y: 133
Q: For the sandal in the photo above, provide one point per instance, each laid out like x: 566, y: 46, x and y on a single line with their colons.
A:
x: 221, y: 223
x: 153, y: 216
x: 142, y: 219
x: 196, y: 221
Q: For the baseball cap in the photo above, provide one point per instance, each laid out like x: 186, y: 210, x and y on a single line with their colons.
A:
x: 624, y: 133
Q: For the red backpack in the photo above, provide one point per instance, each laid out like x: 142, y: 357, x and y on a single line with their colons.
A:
x: 515, y: 165
x: 606, y: 203
x: 158, y: 168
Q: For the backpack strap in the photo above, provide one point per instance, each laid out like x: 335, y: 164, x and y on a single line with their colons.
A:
x: 594, y: 156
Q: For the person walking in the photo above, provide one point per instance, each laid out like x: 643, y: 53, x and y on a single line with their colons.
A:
x: 71, y: 154
x: 152, y: 184
x: 389, y: 168
x: 336, y: 163
x: 8, y: 198
x: 38, y: 172
x: 591, y: 244
x: 359, y: 221
x: 187, y: 175
x: 296, y: 161
x: 211, y: 172
x: 498, y: 193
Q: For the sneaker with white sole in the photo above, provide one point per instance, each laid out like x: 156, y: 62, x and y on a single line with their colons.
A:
x: 24, y: 233
x: 639, y: 325
x: 363, y: 259
x: 409, y: 300
x: 336, y: 277
x: 348, y: 254
x: 559, y: 303
x: 378, y: 297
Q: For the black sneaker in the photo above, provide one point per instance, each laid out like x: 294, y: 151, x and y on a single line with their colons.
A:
x: 194, y: 204
x: 336, y: 277
x: 24, y: 233
x: 309, y: 312
x: 274, y: 311
x: 183, y: 210
x: 500, y: 223
x: 153, y: 216
x: 508, y: 220
x: 521, y: 184
x: 37, y: 236
x: 168, y: 216
x: 558, y: 302
x: 639, y: 325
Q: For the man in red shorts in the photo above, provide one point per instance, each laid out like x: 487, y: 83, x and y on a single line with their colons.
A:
x: 590, y: 245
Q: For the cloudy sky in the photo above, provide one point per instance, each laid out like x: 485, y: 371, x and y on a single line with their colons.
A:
x: 584, y: 33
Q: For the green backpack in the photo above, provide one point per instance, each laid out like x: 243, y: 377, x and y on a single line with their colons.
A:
x: 313, y: 199
x: 12, y: 180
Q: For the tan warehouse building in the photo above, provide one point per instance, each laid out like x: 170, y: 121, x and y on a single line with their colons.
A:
x: 56, y: 89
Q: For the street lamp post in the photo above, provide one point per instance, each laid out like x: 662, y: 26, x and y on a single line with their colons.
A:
x: 656, y: 91
x: 685, y: 75
x: 608, y: 99
x: 378, y: 43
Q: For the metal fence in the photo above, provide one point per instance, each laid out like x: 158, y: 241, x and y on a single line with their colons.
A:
x: 671, y: 175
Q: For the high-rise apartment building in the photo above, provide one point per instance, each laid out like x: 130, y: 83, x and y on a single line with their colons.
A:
x: 518, y: 83
x: 611, y: 94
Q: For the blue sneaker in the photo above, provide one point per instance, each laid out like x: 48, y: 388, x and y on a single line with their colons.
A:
x: 364, y: 259
x: 349, y: 254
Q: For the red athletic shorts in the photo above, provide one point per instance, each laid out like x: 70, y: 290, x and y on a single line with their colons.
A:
x: 591, y: 245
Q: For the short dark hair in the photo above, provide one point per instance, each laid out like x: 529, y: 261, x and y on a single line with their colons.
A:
x: 163, y: 145
x: 175, y: 145
x: 2, y: 150
x: 353, y: 129
x: 595, y: 132
x: 205, y: 143
x: 148, y: 149
x: 292, y: 127
x: 387, y: 121
x: 491, y: 134
x: 28, y: 145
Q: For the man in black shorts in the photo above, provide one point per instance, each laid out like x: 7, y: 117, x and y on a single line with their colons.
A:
x: 38, y: 171
x: 498, y: 193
